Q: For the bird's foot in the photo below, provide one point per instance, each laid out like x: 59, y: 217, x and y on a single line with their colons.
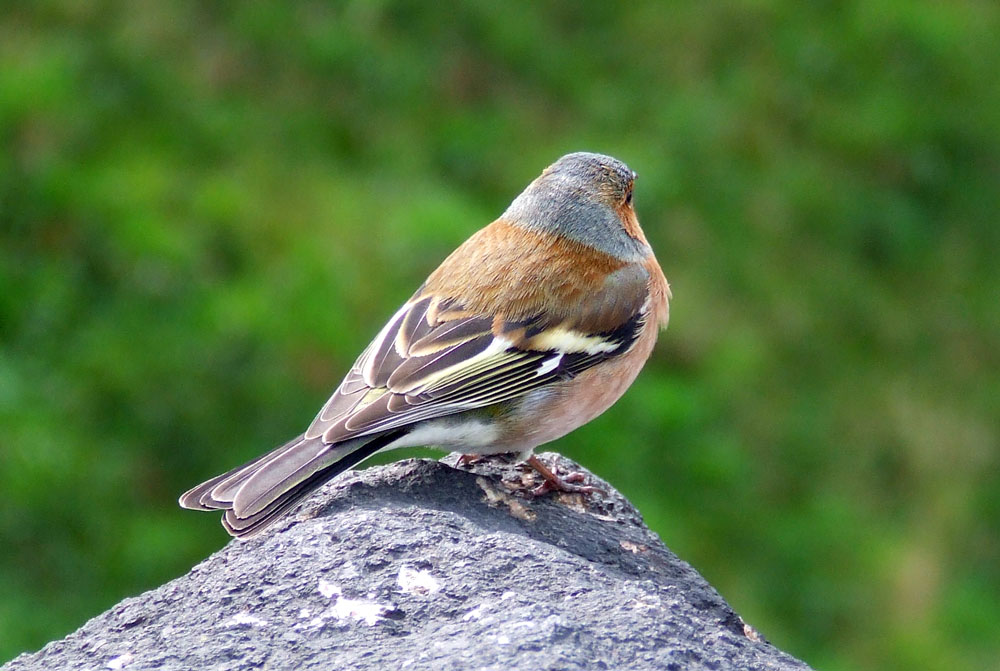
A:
x: 553, y: 483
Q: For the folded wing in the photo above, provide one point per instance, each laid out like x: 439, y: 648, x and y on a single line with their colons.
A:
x: 434, y: 358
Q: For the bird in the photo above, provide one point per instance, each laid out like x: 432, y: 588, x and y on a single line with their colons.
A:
x: 532, y: 327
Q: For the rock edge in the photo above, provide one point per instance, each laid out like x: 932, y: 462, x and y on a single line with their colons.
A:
x: 420, y: 565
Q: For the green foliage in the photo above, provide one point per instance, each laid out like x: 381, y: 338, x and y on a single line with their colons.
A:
x: 207, y: 209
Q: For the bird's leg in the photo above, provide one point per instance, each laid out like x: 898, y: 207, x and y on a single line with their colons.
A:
x: 553, y: 483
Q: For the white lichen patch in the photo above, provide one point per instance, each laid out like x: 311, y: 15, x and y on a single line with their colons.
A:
x: 475, y: 614
x: 645, y: 603
x: 120, y: 661
x: 244, y: 620
x: 315, y: 623
x: 328, y: 589
x: 343, y: 608
x: 413, y: 581
x: 359, y: 609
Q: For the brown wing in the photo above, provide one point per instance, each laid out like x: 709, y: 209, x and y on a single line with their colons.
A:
x: 436, y: 358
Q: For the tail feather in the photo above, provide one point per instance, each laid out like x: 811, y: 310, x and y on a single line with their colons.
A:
x: 217, y: 493
x: 259, y: 492
x: 294, y: 466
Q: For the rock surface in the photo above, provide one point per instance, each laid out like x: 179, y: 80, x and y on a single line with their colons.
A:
x: 418, y: 565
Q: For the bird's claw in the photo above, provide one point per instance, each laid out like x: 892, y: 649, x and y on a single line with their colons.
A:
x: 553, y: 483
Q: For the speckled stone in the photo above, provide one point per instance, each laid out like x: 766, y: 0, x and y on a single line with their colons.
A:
x: 419, y: 565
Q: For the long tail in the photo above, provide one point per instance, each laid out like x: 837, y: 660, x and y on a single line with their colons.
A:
x: 259, y: 492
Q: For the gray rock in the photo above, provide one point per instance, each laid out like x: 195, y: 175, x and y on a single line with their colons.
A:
x: 417, y: 565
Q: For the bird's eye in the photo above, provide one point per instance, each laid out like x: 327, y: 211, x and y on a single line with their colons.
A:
x: 628, y: 197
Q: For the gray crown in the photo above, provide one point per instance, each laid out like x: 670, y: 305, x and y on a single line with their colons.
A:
x: 575, y: 198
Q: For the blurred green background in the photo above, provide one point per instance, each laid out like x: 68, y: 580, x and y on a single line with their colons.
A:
x: 207, y: 210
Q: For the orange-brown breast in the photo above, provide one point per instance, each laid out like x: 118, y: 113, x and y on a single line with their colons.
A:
x: 575, y: 402
x: 659, y: 293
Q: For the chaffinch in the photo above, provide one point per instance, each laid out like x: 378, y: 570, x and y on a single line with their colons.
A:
x: 531, y: 328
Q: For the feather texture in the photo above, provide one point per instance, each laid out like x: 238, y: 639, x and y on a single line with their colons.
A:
x: 432, y: 361
x: 499, y: 350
